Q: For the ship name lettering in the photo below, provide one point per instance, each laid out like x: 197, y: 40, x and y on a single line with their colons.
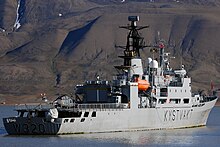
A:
x: 33, y: 128
x: 25, y: 128
x: 16, y: 127
x: 176, y: 114
x: 41, y: 128
x: 10, y: 120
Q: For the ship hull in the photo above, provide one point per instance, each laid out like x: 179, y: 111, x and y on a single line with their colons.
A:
x: 113, y: 120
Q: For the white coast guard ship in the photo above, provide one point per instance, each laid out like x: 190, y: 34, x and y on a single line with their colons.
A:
x: 138, y: 98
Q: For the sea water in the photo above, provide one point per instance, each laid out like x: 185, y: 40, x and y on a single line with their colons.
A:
x: 202, y: 136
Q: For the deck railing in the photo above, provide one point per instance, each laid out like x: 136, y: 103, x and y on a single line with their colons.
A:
x: 77, y: 107
x: 103, y: 107
x: 30, y: 107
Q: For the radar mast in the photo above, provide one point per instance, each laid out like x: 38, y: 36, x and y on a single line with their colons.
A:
x: 134, y: 42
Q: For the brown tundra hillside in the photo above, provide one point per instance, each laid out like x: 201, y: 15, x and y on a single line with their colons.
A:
x: 62, y: 43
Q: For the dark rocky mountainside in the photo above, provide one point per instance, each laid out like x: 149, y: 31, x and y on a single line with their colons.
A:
x: 64, y: 42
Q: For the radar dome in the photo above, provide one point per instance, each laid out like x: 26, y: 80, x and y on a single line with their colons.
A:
x: 149, y: 60
x: 153, y: 64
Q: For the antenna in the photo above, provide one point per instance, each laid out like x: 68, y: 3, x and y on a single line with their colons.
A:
x: 181, y: 57
x: 158, y: 35
x: 135, y: 41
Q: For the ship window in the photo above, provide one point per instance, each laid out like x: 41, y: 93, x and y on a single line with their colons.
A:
x: 185, y: 90
x: 26, y: 114
x: 124, y: 99
x: 86, y: 114
x: 82, y: 120
x: 72, y: 120
x: 94, y: 114
x: 185, y: 101
x: 21, y: 114
x: 30, y: 114
x: 175, y: 101
x: 162, y: 101
x: 163, y: 92
x: 78, y: 114
x: 175, y: 90
x: 41, y: 114
x: 66, y: 120
x: 66, y: 114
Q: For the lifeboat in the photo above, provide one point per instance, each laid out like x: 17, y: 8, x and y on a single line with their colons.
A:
x: 143, y: 85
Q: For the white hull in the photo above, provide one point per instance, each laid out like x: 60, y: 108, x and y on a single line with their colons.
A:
x: 114, y: 120
x: 140, y: 119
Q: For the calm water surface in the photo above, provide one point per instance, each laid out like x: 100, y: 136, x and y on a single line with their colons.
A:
x: 203, y: 136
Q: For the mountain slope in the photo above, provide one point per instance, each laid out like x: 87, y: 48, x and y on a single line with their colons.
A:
x: 62, y: 43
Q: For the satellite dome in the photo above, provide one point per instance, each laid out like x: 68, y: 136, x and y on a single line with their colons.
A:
x: 149, y: 60
x: 153, y: 64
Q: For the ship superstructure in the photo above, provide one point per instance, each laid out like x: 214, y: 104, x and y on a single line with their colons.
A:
x: 138, y: 98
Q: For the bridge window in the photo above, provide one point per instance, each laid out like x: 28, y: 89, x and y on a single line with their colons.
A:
x: 163, y: 92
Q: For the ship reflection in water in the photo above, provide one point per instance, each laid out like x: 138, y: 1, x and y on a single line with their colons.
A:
x: 153, y: 137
